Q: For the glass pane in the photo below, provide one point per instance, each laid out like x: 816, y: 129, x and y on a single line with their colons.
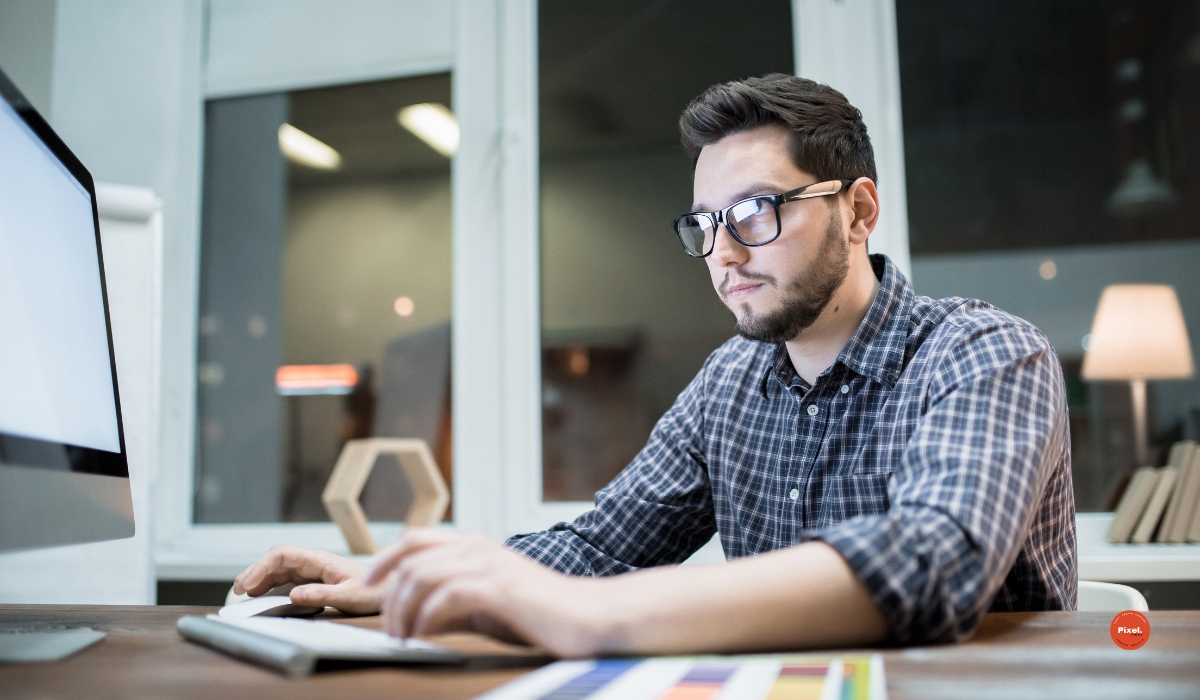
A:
x: 1051, y: 150
x: 325, y: 296
x: 627, y: 316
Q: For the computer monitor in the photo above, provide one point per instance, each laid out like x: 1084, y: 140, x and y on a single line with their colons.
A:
x: 64, y: 476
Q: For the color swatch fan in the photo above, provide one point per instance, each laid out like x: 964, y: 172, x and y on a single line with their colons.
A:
x: 793, y: 677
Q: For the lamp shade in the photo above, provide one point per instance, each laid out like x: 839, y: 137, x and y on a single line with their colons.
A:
x: 1138, y: 333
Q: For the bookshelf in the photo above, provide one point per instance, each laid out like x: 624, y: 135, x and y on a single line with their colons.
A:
x: 1100, y: 560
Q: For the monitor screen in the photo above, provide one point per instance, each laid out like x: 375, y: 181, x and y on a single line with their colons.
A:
x: 56, y: 373
x: 64, y: 470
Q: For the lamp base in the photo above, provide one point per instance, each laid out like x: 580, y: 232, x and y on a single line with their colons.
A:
x: 1137, y: 391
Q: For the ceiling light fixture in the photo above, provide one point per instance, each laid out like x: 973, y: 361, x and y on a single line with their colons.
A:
x: 304, y: 149
x: 404, y: 307
x: 312, y: 380
x: 432, y: 123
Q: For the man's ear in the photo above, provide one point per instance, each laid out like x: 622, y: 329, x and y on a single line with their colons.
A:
x: 864, y: 210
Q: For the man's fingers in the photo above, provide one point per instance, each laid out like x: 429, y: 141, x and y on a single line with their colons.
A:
x: 282, y: 564
x: 422, y: 574
x: 416, y: 575
x: 449, y: 608
x: 251, y: 580
x: 319, y: 594
x: 411, y: 541
x: 392, y: 623
x: 349, y: 597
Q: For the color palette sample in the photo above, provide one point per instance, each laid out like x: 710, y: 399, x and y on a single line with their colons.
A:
x: 588, y: 682
x: 799, y: 682
x: 758, y: 677
x: 703, y: 682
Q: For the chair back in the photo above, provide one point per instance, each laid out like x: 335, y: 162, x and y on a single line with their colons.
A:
x: 1096, y: 596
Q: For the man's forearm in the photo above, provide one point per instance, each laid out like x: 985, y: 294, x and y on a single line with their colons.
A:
x: 801, y: 597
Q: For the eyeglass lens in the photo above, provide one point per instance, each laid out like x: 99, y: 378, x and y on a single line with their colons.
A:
x: 754, y: 221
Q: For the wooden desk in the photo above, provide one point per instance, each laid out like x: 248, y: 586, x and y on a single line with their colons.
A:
x: 1026, y: 655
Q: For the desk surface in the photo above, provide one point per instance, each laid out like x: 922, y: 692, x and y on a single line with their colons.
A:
x: 1028, y: 655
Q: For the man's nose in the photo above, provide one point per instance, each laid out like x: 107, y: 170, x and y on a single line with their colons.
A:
x: 727, y: 250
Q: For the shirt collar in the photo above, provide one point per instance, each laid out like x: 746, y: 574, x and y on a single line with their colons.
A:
x: 876, y: 350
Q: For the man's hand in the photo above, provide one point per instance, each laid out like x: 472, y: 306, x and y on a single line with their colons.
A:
x: 321, y: 578
x: 802, y: 597
x: 448, y: 582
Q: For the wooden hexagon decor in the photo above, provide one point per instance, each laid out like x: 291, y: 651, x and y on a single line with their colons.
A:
x: 430, y: 495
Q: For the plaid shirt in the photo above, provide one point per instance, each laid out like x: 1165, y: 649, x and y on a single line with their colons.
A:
x: 934, y: 455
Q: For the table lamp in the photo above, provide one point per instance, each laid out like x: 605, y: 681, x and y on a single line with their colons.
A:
x: 1138, y: 334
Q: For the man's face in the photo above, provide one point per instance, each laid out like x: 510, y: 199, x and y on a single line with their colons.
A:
x: 777, y: 290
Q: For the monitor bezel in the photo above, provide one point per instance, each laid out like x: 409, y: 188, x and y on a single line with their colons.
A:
x: 81, y: 459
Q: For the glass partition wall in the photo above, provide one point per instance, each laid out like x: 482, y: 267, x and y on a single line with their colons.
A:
x: 324, y: 293
x: 1041, y: 165
x: 1051, y: 149
x: 627, y: 317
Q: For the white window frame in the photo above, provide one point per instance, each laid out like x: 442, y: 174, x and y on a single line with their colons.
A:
x: 184, y: 550
x: 850, y: 44
x: 496, y: 361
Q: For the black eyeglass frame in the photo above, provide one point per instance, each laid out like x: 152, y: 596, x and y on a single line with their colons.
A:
x: 719, y: 217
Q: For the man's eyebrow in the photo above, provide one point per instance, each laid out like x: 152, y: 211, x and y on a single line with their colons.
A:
x: 758, y: 188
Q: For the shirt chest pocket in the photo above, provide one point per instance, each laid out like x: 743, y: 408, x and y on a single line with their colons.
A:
x: 838, y: 498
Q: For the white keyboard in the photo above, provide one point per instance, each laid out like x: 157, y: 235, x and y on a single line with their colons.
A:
x: 330, y: 639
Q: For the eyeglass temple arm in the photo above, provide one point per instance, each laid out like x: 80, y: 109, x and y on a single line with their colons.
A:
x: 819, y: 189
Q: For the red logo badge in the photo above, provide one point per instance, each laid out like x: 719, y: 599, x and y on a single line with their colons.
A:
x: 1130, y: 629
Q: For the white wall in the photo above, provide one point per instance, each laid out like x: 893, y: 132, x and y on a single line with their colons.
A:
x: 851, y: 45
x: 271, y: 45
x: 126, y: 98
x: 27, y: 48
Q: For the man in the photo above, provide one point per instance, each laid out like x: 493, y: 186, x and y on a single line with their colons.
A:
x: 880, y: 467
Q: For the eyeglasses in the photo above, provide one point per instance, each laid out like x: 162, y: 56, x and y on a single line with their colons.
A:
x: 753, y: 221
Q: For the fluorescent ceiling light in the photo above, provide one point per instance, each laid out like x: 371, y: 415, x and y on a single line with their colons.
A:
x: 433, y: 124
x: 301, y: 148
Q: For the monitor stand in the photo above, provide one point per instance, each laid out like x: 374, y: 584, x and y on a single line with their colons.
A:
x: 51, y: 645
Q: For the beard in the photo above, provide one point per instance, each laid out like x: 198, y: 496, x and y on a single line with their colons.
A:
x: 805, y: 296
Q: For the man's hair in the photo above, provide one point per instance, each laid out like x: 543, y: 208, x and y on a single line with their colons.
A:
x: 828, y: 137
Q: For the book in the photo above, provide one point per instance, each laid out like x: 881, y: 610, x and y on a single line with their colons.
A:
x: 1193, y: 534
x: 1154, y: 509
x: 1186, y: 499
x: 1180, y: 458
x: 1193, y: 529
x: 1132, y: 505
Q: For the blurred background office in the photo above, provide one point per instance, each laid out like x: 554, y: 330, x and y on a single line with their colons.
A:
x: 450, y: 220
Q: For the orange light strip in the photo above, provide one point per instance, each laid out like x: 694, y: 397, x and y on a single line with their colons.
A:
x: 305, y: 380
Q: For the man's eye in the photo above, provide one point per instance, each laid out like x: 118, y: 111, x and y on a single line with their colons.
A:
x: 745, y: 210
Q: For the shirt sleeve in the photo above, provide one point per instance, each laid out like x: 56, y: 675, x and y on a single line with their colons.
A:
x: 657, y: 511
x: 967, y: 487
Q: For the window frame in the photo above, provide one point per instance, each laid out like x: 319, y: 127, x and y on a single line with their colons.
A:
x: 496, y: 355
x: 828, y: 47
x: 183, y: 549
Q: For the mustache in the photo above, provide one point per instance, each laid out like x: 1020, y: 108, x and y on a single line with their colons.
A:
x: 763, y: 277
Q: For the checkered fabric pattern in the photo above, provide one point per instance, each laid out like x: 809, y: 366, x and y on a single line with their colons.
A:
x: 934, y: 455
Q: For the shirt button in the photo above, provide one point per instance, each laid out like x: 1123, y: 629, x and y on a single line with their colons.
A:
x: 845, y: 389
x: 794, y: 494
x: 812, y: 409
